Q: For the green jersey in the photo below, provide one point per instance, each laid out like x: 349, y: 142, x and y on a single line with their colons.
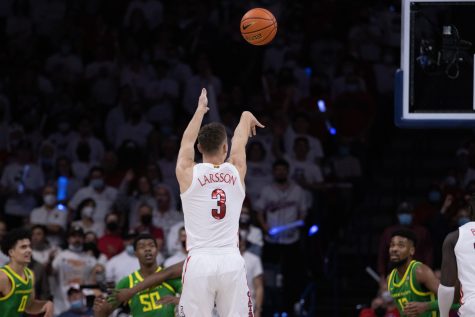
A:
x: 407, y: 289
x: 144, y: 304
x: 14, y: 303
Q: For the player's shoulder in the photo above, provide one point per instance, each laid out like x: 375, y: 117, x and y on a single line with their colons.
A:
x: 125, y: 282
x: 452, y: 238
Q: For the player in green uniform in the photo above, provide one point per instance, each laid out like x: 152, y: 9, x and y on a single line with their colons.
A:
x: 17, y: 292
x: 145, y: 303
x: 412, y: 284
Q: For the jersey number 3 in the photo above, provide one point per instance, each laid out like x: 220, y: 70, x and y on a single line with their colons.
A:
x: 220, y: 195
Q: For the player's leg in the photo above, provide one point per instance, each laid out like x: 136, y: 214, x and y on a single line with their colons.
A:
x: 233, y: 298
x: 198, y: 294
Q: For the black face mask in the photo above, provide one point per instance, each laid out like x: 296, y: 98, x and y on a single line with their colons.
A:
x: 281, y: 180
x: 112, y: 226
x: 380, y: 311
x: 146, y: 220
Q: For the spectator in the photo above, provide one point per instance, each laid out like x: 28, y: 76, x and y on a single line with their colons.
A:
x: 123, y: 263
x: 166, y: 215
x: 301, y: 127
x: 86, y: 210
x: 103, y: 195
x: 86, y: 136
x: 281, y: 203
x: 258, y: 173
x: 77, y: 304
x: 172, y: 240
x: 181, y: 254
x: 21, y: 181
x: 90, y: 247
x: 116, y: 116
x: 146, y: 225
x: 251, y: 233
x: 303, y: 171
x: 42, y: 251
x: 424, y: 242
x: 254, y: 275
x: 167, y: 163
x: 63, y: 136
x: 111, y: 243
x: 49, y: 215
x: 135, y: 128
x: 3, y: 231
x: 63, y: 169
x: 72, y: 266
x: 134, y: 192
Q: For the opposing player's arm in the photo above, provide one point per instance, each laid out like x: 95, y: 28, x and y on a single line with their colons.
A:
x: 448, y: 277
x: 186, y: 154
x: 245, y: 129
x: 150, y: 281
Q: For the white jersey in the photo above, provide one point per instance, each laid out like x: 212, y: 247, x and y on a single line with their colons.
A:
x: 212, y: 206
x: 465, y: 254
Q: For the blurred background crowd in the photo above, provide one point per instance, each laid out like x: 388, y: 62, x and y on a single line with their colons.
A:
x: 94, y: 97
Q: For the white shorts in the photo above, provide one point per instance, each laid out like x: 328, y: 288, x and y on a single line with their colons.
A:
x: 215, y: 276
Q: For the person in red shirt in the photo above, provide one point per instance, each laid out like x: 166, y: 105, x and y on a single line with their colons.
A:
x: 111, y: 242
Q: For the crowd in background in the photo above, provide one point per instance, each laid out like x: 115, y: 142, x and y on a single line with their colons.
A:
x: 95, y: 94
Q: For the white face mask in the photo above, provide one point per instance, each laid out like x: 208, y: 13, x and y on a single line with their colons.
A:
x: 87, y: 211
x: 49, y: 199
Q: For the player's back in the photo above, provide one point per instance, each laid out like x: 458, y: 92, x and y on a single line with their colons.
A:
x: 212, y: 206
x: 465, y: 254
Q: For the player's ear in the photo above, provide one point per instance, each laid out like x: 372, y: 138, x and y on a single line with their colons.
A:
x: 199, y: 148
x: 412, y: 251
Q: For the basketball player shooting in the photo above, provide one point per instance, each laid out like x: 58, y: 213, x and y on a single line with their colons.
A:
x: 212, y: 194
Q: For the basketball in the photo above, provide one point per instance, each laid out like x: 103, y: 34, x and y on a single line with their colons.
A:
x: 258, y: 26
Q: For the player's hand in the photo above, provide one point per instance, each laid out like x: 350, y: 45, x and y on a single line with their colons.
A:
x: 414, y: 309
x: 203, y: 102
x: 48, y: 309
x: 168, y: 299
x: 253, y: 123
x: 120, y: 296
x: 101, y: 306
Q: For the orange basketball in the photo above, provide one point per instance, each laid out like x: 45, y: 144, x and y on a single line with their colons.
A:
x: 258, y: 26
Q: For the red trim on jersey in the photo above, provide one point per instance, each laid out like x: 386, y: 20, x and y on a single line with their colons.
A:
x: 184, y: 272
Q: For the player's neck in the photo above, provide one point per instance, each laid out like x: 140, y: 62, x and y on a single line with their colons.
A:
x: 148, y: 270
x: 17, y: 267
x: 403, y: 268
x: 213, y: 160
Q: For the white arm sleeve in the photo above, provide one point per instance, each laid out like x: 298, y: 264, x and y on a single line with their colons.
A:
x: 445, y: 296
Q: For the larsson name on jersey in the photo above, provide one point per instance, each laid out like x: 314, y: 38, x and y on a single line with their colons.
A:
x: 217, y: 178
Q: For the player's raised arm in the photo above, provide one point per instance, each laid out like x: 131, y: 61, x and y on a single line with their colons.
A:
x: 245, y: 129
x: 186, y: 154
x: 448, y: 276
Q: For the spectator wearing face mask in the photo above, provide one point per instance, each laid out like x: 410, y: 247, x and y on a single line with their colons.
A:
x: 71, y: 266
x: 251, y: 233
x: 123, y: 263
x: 103, y: 195
x: 77, y: 304
x: 50, y: 216
x: 181, y: 254
x: 86, y: 211
x: 111, y: 242
x: 405, y: 218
